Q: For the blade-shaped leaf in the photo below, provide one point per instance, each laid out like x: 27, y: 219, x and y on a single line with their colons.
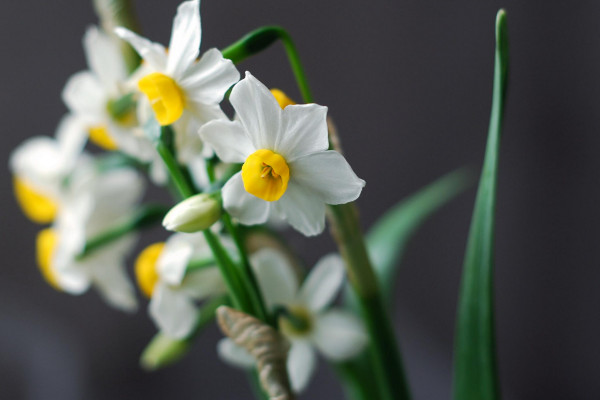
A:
x: 475, y: 368
x: 388, y: 238
x: 386, y: 242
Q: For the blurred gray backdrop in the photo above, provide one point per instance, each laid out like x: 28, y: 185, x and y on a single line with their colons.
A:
x: 409, y: 84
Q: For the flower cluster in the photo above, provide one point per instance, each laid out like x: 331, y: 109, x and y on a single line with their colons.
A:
x: 270, y: 161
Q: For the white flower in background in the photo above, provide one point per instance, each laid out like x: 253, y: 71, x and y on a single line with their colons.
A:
x: 104, y: 100
x: 307, y: 322
x: 177, y: 85
x: 287, y: 168
x: 95, y: 202
x: 177, y: 274
x: 40, y: 166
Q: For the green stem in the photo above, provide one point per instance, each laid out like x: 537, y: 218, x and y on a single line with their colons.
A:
x: 261, y: 38
x: 385, y: 354
x: 145, y: 216
x: 250, y: 282
x: 180, y: 179
x: 233, y: 281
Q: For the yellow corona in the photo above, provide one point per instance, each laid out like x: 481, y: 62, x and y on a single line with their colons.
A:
x: 265, y: 175
x: 145, y: 268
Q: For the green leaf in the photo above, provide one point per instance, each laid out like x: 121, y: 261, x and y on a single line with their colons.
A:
x: 475, y: 368
x: 389, y: 236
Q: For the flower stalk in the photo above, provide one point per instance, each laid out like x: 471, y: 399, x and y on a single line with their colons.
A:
x: 147, y: 215
x: 260, y: 39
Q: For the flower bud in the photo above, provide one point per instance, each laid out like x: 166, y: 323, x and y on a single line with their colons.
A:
x: 194, y: 214
x: 163, y: 351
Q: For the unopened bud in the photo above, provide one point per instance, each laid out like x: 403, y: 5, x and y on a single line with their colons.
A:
x: 163, y: 351
x: 194, y: 214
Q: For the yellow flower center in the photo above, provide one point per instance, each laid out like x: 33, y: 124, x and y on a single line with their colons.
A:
x: 46, y: 243
x: 265, y: 175
x: 100, y: 136
x: 282, y: 98
x: 297, y: 322
x: 145, y: 268
x: 35, y: 205
x: 165, y: 96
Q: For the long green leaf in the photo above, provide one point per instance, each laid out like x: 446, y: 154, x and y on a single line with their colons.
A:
x: 388, y: 237
x: 386, y: 242
x: 475, y: 368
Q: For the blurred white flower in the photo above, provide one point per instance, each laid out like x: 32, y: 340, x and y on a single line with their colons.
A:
x: 105, y: 100
x: 95, y: 202
x: 307, y: 322
x: 287, y: 168
x: 175, y: 275
x: 177, y: 85
x: 41, y: 165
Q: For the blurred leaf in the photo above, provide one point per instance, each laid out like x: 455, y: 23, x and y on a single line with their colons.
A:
x: 475, y: 368
x: 386, y: 242
x: 389, y: 236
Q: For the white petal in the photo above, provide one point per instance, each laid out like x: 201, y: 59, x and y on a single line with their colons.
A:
x: 153, y: 53
x: 303, y: 209
x: 72, y: 279
x: 275, y: 276
x: 104, y: 57
x: 329, y: 175
x: 113, y: 284
x: 233, y: 354
x: 174, y: 259
x: 228, y: 139
x: 38, y: 161
x: 173, y: 312
x: 323, y: 283
x: 247, y: 208
x: 203, y: 113
x: 258, y: 111
x: 84, y: 94
x: 184, y: 46
x: 204, y: 283
x: 339, y: 335
x: 72, y: 137
x: 207, y: 81
x: 301, y: 363
x: 304, y: 131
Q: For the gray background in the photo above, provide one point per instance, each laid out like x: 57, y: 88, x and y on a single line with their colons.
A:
x: 408, y: 83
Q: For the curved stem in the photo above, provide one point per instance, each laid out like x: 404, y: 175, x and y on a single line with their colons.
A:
x: 261, y: 38
x: 145, y: 216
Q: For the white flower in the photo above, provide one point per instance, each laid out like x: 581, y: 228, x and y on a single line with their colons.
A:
x: 287, y: 168
x: 177, y: 274
x: 40, y: 166
x: 337, y: 334
x: 178, y: 86
x: 95, y: 203
x: 104, y: 99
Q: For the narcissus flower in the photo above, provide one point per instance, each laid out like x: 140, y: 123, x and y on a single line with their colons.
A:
x: 306, y: 321
x: 287, y: 168
x: 103, y: 98
x: 95, y: 203
x: 176, y: 274
x: 177, y: 84
x: 40, y: 167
